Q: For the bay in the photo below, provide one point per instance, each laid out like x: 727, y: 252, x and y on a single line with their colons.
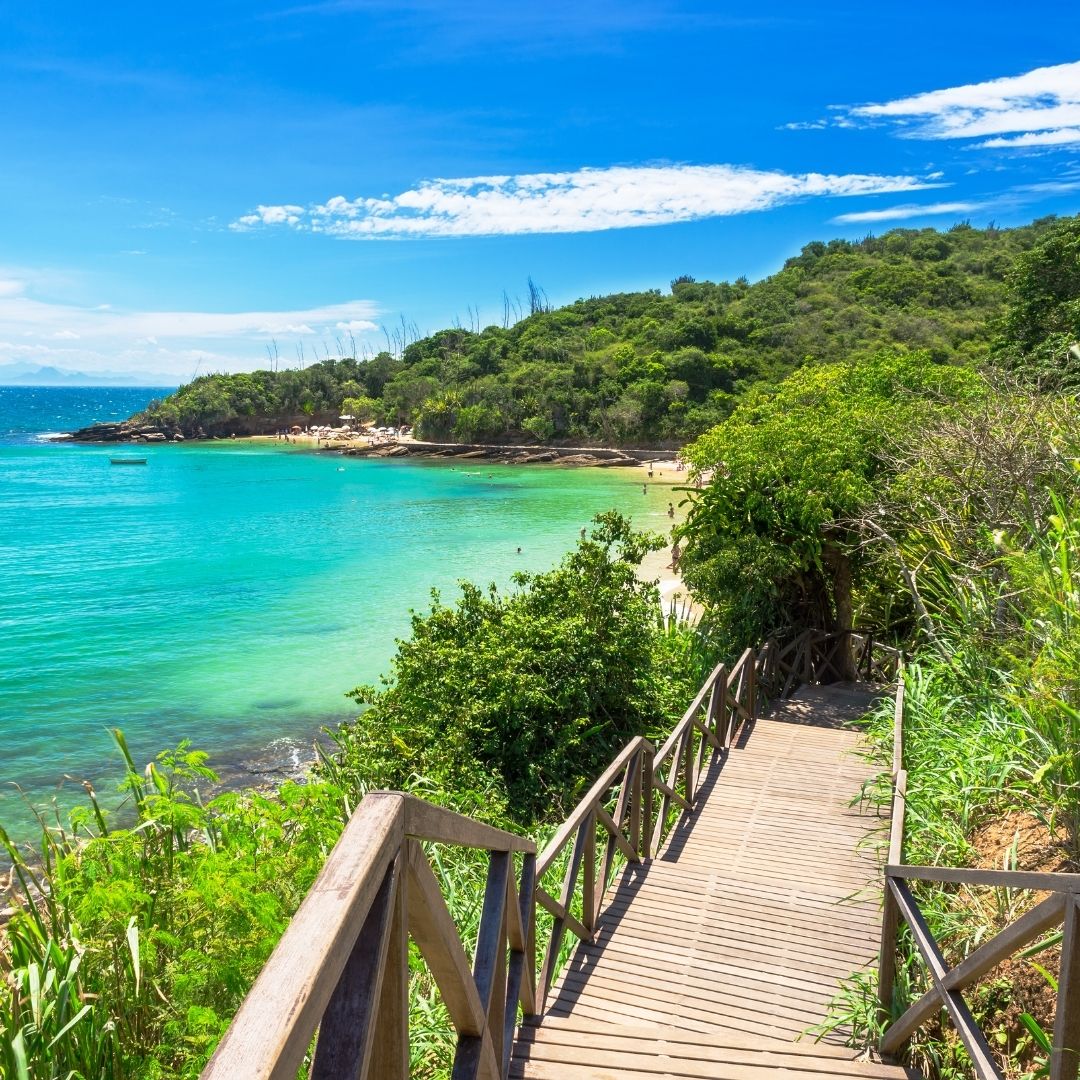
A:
x: 231, y: 593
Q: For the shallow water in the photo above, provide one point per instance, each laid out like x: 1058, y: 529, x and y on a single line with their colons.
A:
x: 231, y: 593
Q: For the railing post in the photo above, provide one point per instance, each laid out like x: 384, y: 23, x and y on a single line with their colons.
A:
x: 349, y: 1025
x: 489, y: 970
x: 687, y: 750
x: 1066, y: 1054
x: 647, y: 803
x: 751, y: 691
x: 890, y: 924
x: 635, y: 802
x: 390, y: 1036
x: 717, y: 701
x: 588, y: 888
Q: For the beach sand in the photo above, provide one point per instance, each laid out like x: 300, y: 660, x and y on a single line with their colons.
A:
x: 656, y: 566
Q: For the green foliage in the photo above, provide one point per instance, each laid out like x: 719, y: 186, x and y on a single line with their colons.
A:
x: 136, y: 935
x: 1040, y: 331
x: 529, y: 693
x: 148, y: 936
x: 986, y: 503
x: 774, y: 539
x: 649, y: 367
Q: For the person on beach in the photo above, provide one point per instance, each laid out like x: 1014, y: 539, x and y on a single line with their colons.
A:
x: 671, y: 510
x: 644, y: 489
x: 650, y: 470
x: 676, y: 554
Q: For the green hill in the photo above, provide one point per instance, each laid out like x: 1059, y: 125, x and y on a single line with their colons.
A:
x: 647, y: 367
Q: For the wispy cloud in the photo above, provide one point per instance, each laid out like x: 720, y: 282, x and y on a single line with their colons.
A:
x: 587, y: 200
x: 21, y: 314
x: 1040, y: 108
x: 92, y: 338
x: 1059, y: 137
x: 909, y: 210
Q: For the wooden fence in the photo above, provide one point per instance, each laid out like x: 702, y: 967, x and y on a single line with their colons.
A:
x: 1061, y: 907
x: 341, y: 968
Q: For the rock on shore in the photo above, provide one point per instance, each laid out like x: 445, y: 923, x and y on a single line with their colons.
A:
x: 508, y: 455
x: 123, y: 431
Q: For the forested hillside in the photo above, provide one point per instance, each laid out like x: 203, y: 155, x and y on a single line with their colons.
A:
x: 646, y: 367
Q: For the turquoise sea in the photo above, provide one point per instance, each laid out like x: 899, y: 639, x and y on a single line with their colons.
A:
x: 230, y: 593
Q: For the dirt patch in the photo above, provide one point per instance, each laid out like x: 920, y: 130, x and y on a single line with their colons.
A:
x: 1015, y: 841
x: 1020, y: 841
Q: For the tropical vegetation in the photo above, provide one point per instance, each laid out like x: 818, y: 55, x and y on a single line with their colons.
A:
x: 887, y: 435
x: 135, y: 933
x: 645, y: 368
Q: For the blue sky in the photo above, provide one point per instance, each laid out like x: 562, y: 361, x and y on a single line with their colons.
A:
x: 182, y: 187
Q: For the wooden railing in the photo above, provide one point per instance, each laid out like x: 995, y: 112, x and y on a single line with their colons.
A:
x: 341, y: 969
x: 1062, y: 907
x: 342, y: 966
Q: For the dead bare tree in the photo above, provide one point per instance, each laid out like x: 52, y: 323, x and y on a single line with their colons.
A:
x: 538, y: 300
x: 973, y: 481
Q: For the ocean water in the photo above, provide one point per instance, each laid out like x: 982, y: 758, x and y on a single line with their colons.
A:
x: 230, y: 593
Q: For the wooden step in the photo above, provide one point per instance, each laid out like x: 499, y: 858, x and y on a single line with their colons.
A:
x: 712, y: 960
x: 580, y: 1049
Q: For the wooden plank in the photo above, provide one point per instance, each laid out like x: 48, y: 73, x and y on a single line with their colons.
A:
x: 389, y: 1054
x: 521, y: 981
x: 1004, y: 879
x: 345, y: 1034
x: 569, y: 1027
x: 1015, y: 936
x: 557, y: 911
x: 435, y: 934
x: 678, y: 1047
x: 982, y: 1058
x: 595, y: 793
x: 1066, y: 1054
x: 426, y: 821
x: 272, y: 1031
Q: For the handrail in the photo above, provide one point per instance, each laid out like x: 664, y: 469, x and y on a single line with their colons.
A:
x: 341, y: 968
x: 899, y: 904
x: 342, y: 964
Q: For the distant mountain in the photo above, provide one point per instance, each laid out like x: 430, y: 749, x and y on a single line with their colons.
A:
x: 39, y: 375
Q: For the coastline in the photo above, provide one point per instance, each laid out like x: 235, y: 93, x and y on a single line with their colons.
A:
x: 264, y: 766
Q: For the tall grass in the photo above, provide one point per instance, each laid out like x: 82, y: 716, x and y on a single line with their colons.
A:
x: 991, y: 727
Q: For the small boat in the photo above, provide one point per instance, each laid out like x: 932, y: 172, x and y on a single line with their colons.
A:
x: 128, y: 460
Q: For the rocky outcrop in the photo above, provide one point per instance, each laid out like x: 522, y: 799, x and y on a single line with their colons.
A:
x: 125, y: 431
x: 507, y: 455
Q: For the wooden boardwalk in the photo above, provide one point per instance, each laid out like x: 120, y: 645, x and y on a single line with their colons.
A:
x: 712, y: 959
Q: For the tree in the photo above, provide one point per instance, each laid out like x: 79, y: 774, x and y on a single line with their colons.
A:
x: 773, y: 542
x: 535, y: 687
x: 1040, y: 330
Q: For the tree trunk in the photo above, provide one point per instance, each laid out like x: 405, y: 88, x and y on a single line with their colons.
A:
x: 843, y: 608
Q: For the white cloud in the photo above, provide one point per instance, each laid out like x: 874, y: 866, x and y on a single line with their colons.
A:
x: 908, y: 210
x: 356, y: 325
x: 1061, y: 137
x: 11, y: 286
x: 21, y: 314
x: 587, y: 200
x: 1039, y: 108
x: 99, y: 337
x: 270, y: 215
